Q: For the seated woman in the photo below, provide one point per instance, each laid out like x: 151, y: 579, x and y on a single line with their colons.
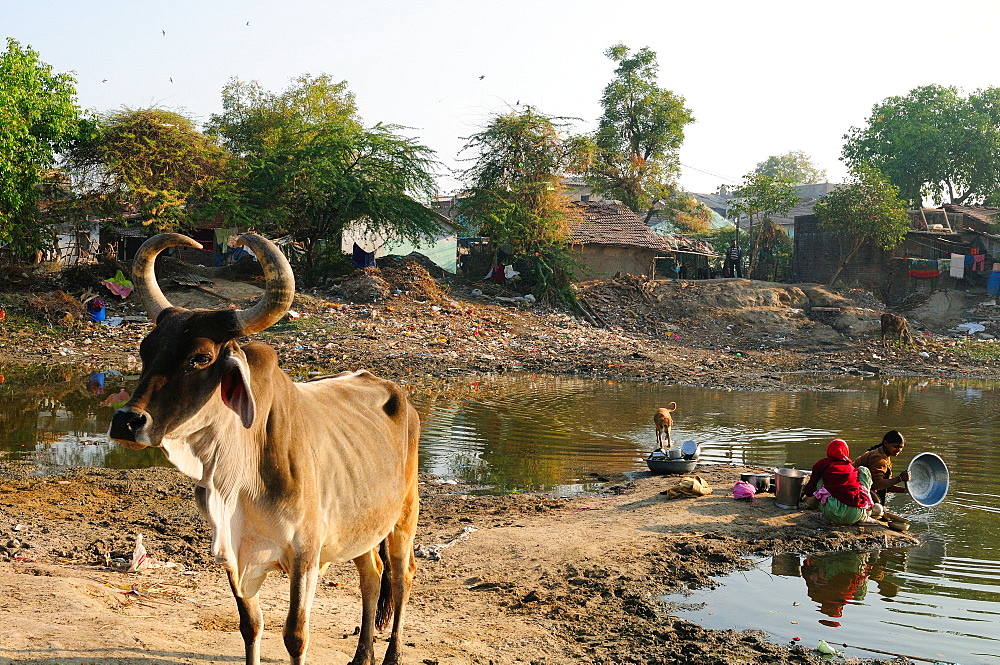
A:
x: 842, y: 489
x: 878, y: 460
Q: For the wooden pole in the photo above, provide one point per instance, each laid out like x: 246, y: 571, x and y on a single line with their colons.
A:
x: 888, y: 653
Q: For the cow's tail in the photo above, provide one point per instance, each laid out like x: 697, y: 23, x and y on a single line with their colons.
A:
x: 384, y: 610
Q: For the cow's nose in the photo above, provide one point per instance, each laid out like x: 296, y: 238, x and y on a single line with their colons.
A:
x: 125, y: 423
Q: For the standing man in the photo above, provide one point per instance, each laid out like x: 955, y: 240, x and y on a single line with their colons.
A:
x: 734, y: 257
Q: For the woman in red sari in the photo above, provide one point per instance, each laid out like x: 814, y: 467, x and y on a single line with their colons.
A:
x: 840, y: 487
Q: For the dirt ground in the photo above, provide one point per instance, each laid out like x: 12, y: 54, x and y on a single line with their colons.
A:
x: 511, y: 579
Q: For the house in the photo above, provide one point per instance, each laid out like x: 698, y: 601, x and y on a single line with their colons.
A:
x: 935, y: 235
x: 610, y: 239
x: 442, y: 248
x: 74, y: 243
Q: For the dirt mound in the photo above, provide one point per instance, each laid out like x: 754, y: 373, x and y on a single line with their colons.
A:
x: 365, y: 286
x: 740, y: 311
x: 56, y: 308
x: 405, y: 276
x: 90, y: 275
x: 412, y: 277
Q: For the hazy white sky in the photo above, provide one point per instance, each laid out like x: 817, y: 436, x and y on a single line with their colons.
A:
x: 761, y: 78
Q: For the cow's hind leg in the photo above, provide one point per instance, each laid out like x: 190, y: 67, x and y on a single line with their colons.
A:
x: 369, y: 567
x: 251, y: 618
x: 403, y: 567
x: 303, y: 578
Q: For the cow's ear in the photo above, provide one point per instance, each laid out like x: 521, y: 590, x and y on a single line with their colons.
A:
x: 235, y: 387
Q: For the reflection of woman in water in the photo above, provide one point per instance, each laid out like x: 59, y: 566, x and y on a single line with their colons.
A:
x: 834, y: 580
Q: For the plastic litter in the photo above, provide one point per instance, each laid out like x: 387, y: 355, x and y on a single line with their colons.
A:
x: 118, y: 285
x: 139, y: 557
x: 970, y: 328
x: 826, y: 649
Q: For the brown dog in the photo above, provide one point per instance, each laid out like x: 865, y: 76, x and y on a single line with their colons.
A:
x: 663, y: 422
x: 894, y: 325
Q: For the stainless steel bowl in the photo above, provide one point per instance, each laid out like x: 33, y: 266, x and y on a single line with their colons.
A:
x: 929, y: 479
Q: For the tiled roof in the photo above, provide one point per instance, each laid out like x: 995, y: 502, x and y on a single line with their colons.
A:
x: 981, y: 214
x: 593, y: 223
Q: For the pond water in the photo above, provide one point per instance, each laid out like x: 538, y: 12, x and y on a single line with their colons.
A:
x: 524, y: 433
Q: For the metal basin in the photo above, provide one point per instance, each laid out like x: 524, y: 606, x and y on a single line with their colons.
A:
x: 929, y: 479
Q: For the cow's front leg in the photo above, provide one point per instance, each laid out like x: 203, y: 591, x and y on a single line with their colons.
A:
x: 251, y: 618
x: 304, y: 577
x: 369, y: 567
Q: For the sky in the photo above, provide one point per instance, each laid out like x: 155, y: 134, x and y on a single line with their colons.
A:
x: 761, y: 78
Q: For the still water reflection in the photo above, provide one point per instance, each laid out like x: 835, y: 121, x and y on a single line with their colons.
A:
x: 527, y: 432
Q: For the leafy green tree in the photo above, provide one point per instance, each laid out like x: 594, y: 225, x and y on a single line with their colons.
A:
x: 866, y: 211
x: 757, y: 198
x: 933, y: 142
x: 685, y: 213
x: 38, y: 117
x: 633, y: 155
x: 516, y: 199
x: 307, y: 166
x: 151, y: 161
x: 795, y: 166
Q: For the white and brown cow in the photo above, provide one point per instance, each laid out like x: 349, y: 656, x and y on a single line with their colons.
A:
x: 291, y: 476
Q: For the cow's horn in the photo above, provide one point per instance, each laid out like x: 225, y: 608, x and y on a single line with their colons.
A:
x: 144, y: 276
x: 280, y: 288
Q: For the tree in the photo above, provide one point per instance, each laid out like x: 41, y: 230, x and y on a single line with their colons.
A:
x: 866, y: 211
x: 795, y: 166
x: 685, y: 213
x: 516, y: 199
x: 307, y: 166
x: 151, y: 161
x: 633, y: 155
x: 933, y: 143
x: 38, y: 117
x: 757, y: 198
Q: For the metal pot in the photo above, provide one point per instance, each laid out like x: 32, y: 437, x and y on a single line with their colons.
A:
x: 674, y: 453
x: 760, y: 481
x: 690, y: 449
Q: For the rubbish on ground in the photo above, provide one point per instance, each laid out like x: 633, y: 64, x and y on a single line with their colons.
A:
x: 433, y: 552
x: 139, y: 557
x: 118, y: 285
x: 970, y: 328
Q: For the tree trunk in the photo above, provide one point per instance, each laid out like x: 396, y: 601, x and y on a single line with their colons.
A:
x: 847, y: 259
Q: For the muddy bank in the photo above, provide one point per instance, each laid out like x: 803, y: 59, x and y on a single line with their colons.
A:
x: 403, y: 323
x: 509, y: 579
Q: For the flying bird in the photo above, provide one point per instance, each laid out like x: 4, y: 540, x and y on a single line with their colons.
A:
x: 171, y: 79
x: 104, y: 81
x: 164, y: 32
x: 482, y: 77
x: 248, y: 22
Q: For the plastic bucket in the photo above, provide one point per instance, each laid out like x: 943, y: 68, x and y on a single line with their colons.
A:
x: 788, y: 487
x: 993, y: 283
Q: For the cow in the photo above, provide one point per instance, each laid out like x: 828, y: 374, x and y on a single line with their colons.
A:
x: 291, y: 476
x: 894, y: 325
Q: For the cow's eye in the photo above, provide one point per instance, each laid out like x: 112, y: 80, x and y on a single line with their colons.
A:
x: 200, y: 360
